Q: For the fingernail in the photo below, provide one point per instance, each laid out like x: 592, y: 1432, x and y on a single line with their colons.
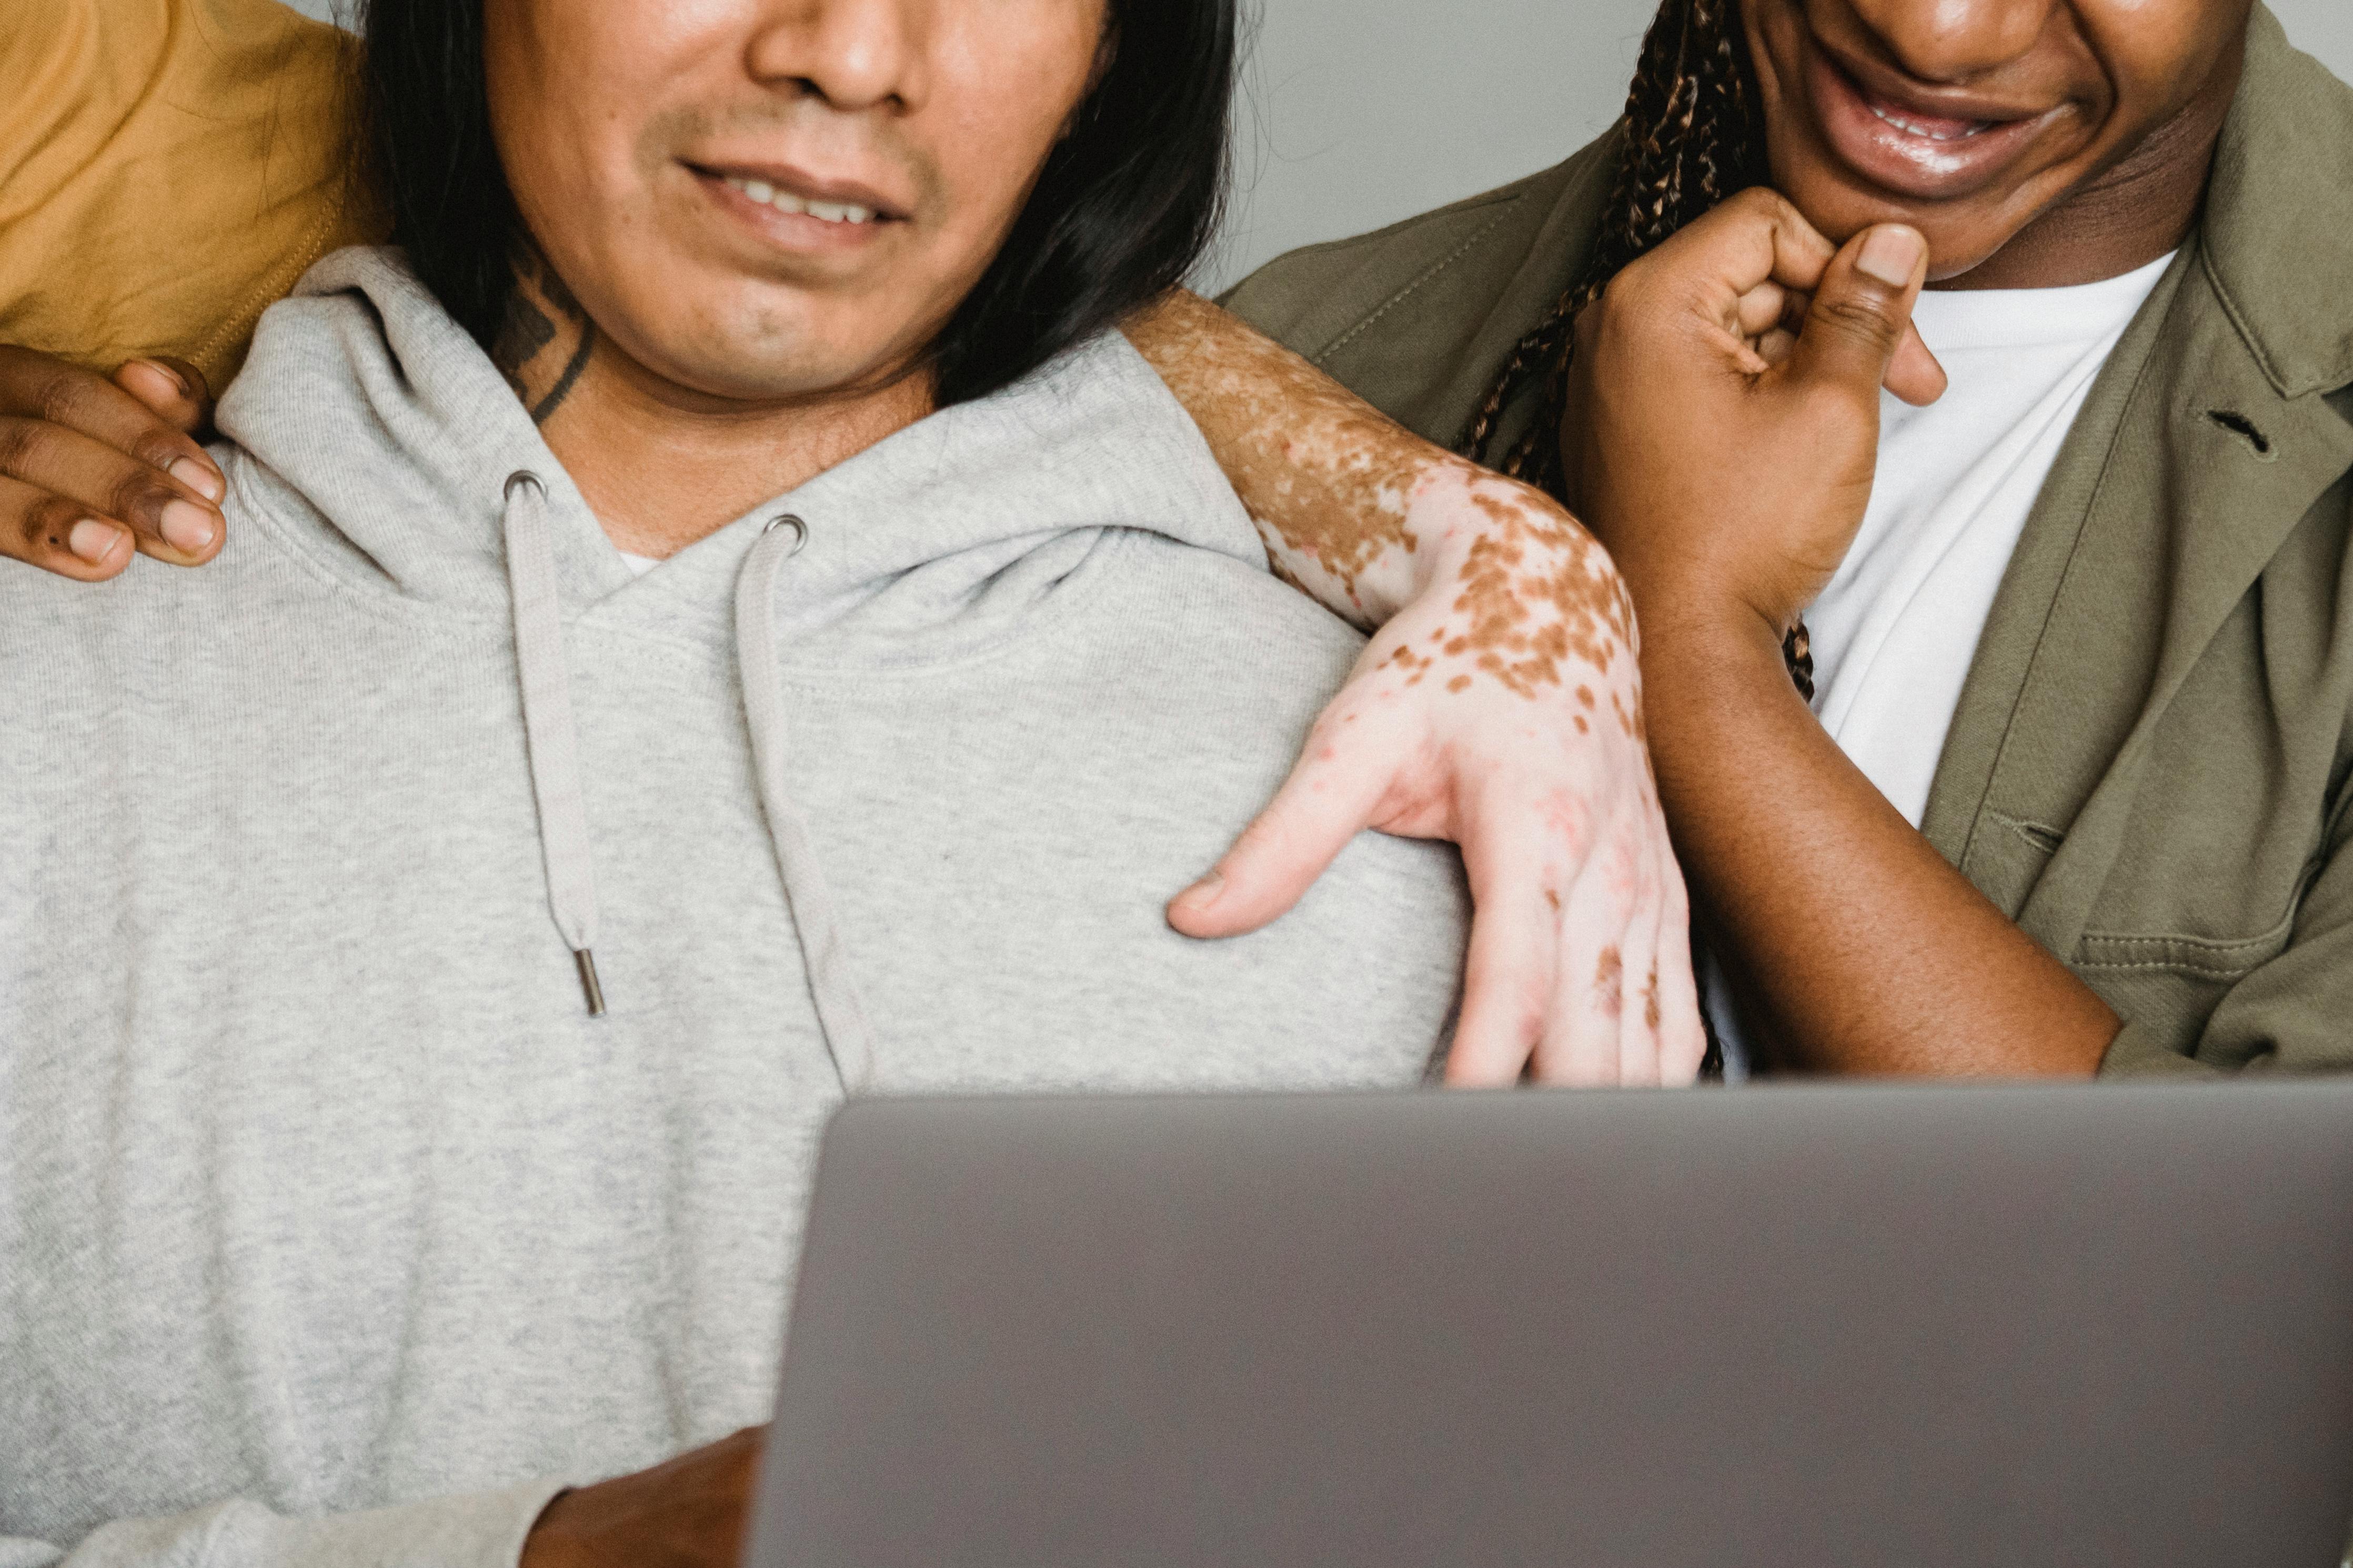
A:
x: 186, y: 527
x: 197, y: 477
x: 1890, y: 254
x: 93, y: 540
x: 1203, y: 893
x: 177, y: 379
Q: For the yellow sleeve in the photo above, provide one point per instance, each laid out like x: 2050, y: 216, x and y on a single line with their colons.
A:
x: 168, y: 168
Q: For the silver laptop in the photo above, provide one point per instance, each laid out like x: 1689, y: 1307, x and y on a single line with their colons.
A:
x: 1818, y: 1327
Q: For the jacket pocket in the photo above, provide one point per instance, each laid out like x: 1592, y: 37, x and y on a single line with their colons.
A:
x: 2195, y: 957
x: 2168, y: 986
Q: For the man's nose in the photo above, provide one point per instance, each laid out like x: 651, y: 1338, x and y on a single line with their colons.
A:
x: 1955, y: 40
x: 854, y: 54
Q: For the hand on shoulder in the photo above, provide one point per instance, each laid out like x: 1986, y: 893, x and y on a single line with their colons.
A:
x: 94, y: 469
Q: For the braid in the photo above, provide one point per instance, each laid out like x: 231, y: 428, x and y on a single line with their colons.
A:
x: 1692, y: 140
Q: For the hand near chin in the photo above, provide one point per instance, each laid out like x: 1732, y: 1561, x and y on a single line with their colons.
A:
x: 1723, y: 431
x: 1501, y: 709
x: 688, y: 1513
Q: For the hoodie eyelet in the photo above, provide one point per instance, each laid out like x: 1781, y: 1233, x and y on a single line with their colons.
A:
x: 800, y: 531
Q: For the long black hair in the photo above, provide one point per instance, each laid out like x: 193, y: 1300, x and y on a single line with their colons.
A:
x: 1124, y: 208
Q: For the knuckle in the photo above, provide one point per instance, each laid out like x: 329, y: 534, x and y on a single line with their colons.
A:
x: 157, y: 447
x: 1856, y: 315
x: 46, y: 521
x: 30, y: 450
x: 134, y: 496
x: 61, y: 396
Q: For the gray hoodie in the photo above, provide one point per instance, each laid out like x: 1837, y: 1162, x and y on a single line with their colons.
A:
x: 334, y: 1227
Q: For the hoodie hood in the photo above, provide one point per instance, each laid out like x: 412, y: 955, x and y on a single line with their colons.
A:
x: 389, y: 448
x: 352, y: 1235
x: 388, y: 437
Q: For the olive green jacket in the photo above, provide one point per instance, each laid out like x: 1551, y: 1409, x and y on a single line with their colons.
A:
x: 2148, y: 769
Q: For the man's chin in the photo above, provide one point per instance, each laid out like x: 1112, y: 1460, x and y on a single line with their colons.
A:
x: 723, y: 378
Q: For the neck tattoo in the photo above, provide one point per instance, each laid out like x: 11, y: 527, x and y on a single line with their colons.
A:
x: 544, y: 342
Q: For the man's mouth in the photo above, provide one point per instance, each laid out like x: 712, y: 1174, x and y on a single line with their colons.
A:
x: 784, y: 200
x: 796, y: 208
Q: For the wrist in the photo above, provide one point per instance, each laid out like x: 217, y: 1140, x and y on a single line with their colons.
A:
x: 1691, y: 630
x: 1434, y: 522
x: 1709, y: 675
x: 1443, y: 517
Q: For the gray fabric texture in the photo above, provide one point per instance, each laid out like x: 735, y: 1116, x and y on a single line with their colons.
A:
x: 333, y: 1229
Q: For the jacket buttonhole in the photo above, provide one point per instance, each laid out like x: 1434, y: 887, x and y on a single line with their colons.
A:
x: 2046, y: 839
x: 2239, y: 425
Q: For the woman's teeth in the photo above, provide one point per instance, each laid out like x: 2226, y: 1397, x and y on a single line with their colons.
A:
x: 1933, y: 129
x: 785, y: 202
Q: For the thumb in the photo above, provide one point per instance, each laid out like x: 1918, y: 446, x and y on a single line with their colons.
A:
x: 1862, y: 313
x: 1329, y: 798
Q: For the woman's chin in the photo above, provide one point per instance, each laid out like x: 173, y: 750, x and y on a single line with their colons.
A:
x: 1960, y: 238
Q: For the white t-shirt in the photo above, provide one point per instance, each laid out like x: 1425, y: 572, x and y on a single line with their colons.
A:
x: 638, y: 565
x: 1894, y: 633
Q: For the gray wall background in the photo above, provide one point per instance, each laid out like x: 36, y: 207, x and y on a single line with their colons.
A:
x: 1355, y: 113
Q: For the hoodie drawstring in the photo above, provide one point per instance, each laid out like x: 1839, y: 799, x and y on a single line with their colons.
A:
x: 547, y: 726
x: 840, y: 1012
x: 555, y: 765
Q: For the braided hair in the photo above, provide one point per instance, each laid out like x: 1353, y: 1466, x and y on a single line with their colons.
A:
x: 1692, y: 138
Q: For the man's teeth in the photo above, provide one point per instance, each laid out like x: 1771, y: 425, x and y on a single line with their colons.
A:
x: 1941, y: 131
x: 785, y: 202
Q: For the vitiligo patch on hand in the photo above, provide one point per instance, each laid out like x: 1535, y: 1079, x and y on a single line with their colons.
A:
x: 1335, y: 490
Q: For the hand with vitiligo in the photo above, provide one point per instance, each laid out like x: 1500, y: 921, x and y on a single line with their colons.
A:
x: 1499, y: 705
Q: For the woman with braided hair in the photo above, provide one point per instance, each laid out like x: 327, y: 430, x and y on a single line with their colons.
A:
x: 1999, y: 715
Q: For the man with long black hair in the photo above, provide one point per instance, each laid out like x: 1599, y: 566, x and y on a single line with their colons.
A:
x: 721, y: 622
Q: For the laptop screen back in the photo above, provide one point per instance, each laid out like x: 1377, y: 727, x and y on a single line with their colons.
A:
x: 1788, y: 1326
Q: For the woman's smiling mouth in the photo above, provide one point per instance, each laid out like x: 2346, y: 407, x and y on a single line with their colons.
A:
x: 1934, y: 128
x: 1915, y: 147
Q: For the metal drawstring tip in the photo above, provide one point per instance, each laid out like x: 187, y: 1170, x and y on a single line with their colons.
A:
x: 595, y: 993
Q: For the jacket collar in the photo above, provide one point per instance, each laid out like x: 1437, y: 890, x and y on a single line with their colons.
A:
x: 2205, y: 444
x: 2279, y: 209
